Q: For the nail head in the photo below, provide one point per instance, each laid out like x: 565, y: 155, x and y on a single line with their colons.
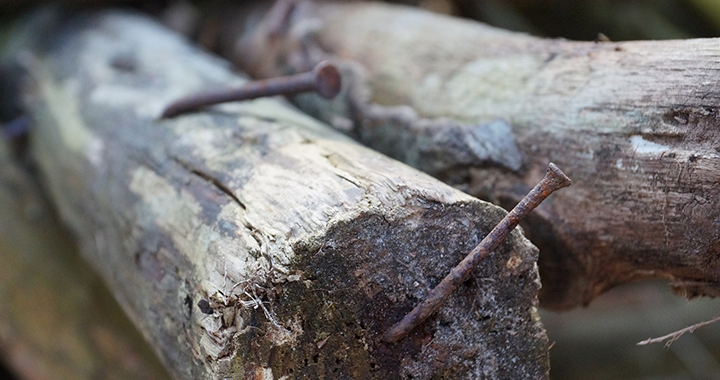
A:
x: 327, y: 80
x: 559, y: 177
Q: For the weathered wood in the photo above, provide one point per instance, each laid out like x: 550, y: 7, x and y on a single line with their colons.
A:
x: 634, y: 124
x: 57, y: 319
x: 251, y: 241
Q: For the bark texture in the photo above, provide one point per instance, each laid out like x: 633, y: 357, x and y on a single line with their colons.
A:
x: 634, y: 124
x: 251, y: 241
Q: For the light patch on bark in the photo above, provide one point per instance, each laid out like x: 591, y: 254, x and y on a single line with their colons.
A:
x: 174, y: 211
x: 177, y: 213
x: 182, y: 75
x: 643, y: 146
x: 280, y: 335
x: 476, y: 88
x: 63, y: 106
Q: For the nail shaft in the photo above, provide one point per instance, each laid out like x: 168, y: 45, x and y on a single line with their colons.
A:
x: 554, y: 180
x: 323, y: 79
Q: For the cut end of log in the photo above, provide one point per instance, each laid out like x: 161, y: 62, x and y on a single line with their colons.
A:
x: 368, y: 272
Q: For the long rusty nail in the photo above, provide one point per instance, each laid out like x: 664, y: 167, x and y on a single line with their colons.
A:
x: 554, y: 180
x: 324, y: 79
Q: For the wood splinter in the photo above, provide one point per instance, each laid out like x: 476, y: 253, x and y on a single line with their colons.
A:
x: 554, y: 180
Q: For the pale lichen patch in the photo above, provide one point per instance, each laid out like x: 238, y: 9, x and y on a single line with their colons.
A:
x: 95, y: 150
x: 62, y: 102
x: 181, y: 76
x: 264, y: 374
x: 513, y: 263
x: 176, y: 212
x: 642, y: 146
x: 173, y: 210
x: 281, y: 335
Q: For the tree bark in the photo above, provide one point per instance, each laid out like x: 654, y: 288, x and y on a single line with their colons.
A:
x: 57, y: 320
x: 251, y: 241
x: 634, y: 124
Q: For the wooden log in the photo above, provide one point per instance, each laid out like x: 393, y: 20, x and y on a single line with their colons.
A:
x: 634, y: 124
x: 251, y: 241
x: 57, y: 319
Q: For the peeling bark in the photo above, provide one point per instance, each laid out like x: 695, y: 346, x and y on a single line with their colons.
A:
x: 251, y: 241
x: 634, y: 124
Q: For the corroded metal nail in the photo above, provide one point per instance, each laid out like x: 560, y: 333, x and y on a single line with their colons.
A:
x: 554, y: 180
x: 324, y: 79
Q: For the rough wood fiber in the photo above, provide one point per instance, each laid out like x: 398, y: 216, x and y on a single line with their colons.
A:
x: 250, y: 241
x: 57, y: 319
x: 634, y: 124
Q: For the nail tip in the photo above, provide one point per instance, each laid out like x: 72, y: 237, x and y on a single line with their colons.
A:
x: 562, y: 179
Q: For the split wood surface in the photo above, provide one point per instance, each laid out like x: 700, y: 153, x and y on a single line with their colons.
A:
x: 635, y: 124
x: 251, y: 241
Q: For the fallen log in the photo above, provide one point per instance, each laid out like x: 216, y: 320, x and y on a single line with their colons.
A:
x: 634, y: 124
x: 57, y: 319
x: 251, y: 241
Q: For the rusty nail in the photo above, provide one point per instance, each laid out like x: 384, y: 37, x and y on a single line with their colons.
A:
x: 324, y: 79
x: 554, y: 180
